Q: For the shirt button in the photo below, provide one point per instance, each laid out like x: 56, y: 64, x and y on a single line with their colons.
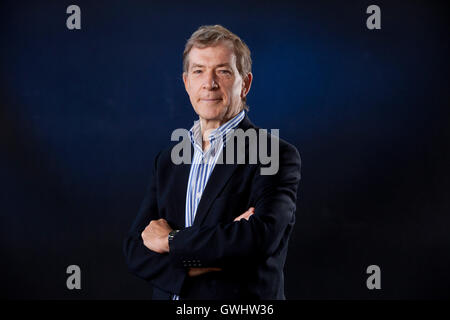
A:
x: 199, y: 195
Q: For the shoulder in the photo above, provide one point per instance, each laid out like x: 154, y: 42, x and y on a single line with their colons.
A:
x: 282, y: 156
x: 164, y: 156
x: 285, y: 147
x: 288, y: 157
x: 287, y: 151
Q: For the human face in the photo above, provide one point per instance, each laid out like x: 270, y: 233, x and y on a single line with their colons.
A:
x: 213, y: 83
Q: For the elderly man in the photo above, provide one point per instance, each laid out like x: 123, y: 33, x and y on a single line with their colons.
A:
x: 210, y: 229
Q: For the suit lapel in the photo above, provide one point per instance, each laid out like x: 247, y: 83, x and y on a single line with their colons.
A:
x: 218, y: 179
x: 181, y: 172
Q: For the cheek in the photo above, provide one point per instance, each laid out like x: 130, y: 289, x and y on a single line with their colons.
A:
x: 237, y: 90
x: 234, y: 89
x: 193, y: 86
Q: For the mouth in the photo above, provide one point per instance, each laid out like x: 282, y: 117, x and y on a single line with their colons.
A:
x: 210, y: 99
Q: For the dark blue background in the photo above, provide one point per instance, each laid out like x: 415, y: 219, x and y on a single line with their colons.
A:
x: 83, y: 113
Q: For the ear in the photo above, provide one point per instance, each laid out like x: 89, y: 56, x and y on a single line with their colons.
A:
x: 246, y: 84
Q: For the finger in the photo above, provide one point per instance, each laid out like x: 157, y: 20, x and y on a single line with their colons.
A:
x: 250, y: 211
x: 240, y: 217
x: 195, y: 272
x: 245, y: 216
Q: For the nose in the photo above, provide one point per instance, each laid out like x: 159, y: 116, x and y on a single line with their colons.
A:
x: 210, y: 82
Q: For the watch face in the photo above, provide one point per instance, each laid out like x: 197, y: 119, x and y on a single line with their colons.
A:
x: 172, y: 234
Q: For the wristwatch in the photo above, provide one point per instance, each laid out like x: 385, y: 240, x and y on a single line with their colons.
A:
x: 172, y: 234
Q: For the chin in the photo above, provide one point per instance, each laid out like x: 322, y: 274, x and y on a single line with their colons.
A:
x: 211, y: 113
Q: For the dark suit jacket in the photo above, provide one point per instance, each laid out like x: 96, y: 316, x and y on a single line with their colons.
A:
x: 251, y: 253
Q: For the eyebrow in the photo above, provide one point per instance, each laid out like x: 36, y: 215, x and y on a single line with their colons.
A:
x: 196, y: 65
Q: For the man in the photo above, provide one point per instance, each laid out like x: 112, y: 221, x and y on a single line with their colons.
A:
x: 210, y: 229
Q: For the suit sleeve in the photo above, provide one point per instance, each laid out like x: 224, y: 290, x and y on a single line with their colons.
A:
x: 142, y: 262
x: 232, y: 244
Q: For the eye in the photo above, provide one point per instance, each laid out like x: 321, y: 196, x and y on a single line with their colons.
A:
x: 197, y: 71
x: 224, y: 71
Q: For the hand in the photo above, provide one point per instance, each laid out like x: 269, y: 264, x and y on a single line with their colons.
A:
x: 195, y: 272
x: 156, y: 236
x: 246, y: 215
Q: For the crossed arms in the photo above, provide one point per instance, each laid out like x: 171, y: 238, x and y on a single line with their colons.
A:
x: 221, y: 246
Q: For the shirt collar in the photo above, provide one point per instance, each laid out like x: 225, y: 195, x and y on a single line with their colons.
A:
x: 221, y: 132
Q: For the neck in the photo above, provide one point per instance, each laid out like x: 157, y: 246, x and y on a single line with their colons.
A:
x: 207, y: 126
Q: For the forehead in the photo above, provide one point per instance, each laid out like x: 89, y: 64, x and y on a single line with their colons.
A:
x: 210, y: 56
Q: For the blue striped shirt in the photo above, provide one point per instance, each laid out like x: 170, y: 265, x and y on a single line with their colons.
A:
x: 203, y: 163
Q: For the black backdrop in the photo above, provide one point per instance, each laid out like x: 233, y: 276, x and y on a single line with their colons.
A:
x: 83, y: 113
